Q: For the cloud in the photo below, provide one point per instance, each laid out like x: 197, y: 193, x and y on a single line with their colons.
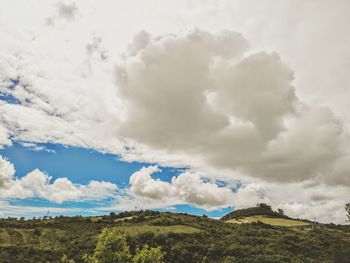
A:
x: 251, y: 194
x: 202, y: 93
x: 36, y: 147
x: 188, y: 187
x: 204, y: 100
x: 67, y: 9
x: 7, y: 171
x: 238, y: 112
x: 38, y: 184
x: 299, y: 152
x: 310, y: 200
x: 143, y: 184
x: 10, y: 210
x: 307, y: 200
x: 4, y: 137
x: 64, y: 9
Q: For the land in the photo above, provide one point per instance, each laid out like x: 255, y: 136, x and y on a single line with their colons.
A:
x: 249, y: 235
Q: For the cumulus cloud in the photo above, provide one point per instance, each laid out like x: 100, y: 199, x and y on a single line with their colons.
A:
x: 38, y: 184
x: 188, y: 187
x: 309, y: 146
x: 310, y: 200
x: 203, y: 93
x: 4, y: 137
x: 7, y: 171
x: 251, y: 194
x: 306, y: 200
x: 236, y: 110
x: 143, y: 184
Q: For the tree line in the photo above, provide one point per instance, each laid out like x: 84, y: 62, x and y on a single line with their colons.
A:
x: 112, y: 247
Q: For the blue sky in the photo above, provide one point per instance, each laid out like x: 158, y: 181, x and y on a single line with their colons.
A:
x: 230, y: 98
x: 80, y: 166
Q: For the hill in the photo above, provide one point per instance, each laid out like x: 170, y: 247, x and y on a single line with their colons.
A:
x: 264, y: 214
x: 183, y: 238
x: 259, y: 210
x: 274, y: 221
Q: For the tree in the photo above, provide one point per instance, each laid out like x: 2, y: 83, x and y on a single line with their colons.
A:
x: 111, y: 248
x: 149, y: 255
x: 263, y: 205
x: 280, y: 211
x: 64, y: 259
x: 347, y: 209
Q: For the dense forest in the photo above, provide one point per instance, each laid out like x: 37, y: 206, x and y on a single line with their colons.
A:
x: 169, y: 237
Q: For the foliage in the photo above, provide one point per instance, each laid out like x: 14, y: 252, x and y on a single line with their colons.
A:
x: 261, y: 209
x: 275, y: 221
x: 111, y: 248
x: 280, y: 211
x: 149, y: 255
x: 264, y: 205
x: 64, y: 259
x: 182, y: 237
x: 347, y: 209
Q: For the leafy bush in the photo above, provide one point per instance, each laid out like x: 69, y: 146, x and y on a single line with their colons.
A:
x: 111, y: 248
x: 149, y: 255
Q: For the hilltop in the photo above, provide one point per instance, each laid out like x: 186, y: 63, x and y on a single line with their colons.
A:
x: 264, y: 214
x: 182, y: 237
x: 261, y: 209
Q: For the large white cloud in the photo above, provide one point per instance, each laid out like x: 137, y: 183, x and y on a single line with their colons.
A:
x: 142, y: 184
x: 195, y: 93
x: 37, y: 184
x: 307, y: 200
x: 235, y: 110
x: 185, y: 188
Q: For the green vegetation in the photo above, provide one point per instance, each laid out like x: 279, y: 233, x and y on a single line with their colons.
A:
x: 169, y: 237
x: 260, y: 210
x: 264, y: 214
x: 149, y: 255
x: 274, y: 221
x: 111, y: 248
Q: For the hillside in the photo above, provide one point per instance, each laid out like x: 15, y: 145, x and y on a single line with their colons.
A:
x: 260, y: 209
x: 184, y: 238
x: 264, y: 214
x: 274, y: 221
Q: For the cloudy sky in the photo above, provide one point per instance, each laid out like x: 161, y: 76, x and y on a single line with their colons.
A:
x: 195, y: 106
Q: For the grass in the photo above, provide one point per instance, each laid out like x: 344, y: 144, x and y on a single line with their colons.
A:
x: 179, y: 229
x: 26, y: 238
x: 4, y: 238
x: 123, y: 218
x: 269, y: 220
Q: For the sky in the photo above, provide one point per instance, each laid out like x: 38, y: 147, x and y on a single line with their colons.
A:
x: 197, y: 106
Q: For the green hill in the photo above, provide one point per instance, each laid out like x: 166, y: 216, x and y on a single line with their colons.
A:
x: 274, y: 221
x: 183, y: 238
x: 259, y: 210
x: 264, y: 214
